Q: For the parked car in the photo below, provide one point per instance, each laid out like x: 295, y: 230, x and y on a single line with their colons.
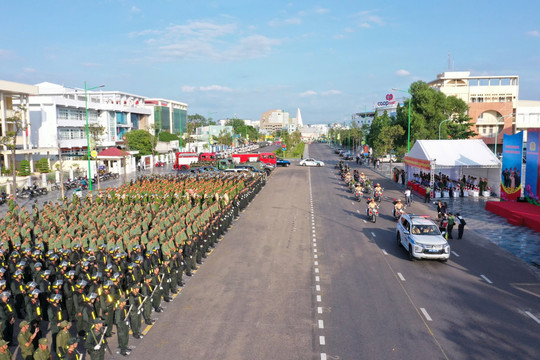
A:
x: 348, y: 156
x: 421, y: 237
x: 388, y: 158
x: 282, y: 162
x: 311, y: 162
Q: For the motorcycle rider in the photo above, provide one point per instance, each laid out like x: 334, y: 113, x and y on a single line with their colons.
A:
x: 398, y: 207
x: 377, y: 190
x: 372, y: 205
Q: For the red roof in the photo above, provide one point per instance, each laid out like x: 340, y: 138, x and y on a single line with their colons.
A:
x: 112, y: 151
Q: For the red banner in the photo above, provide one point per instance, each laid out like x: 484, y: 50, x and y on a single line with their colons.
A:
x: 418, y: 163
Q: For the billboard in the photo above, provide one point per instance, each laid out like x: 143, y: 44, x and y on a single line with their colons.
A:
x: 532, y: 171
x: 511, y: 167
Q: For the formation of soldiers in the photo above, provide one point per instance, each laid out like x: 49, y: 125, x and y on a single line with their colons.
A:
x: 76, y: 269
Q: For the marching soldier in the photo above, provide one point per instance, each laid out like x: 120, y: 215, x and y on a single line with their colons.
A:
x: 43, y: 352
x: 71, y: 352
x: 136, y: 300
x: 5, y: 354
x: 34, y: 314
x: 106, y: 305
x: 7, y: 316
x: 89, y: 314
x: 121, y: 317
x: 147, y: 289
x: 62, y: 339
x: 26, y: 340
x: 95, y: 340
x: 56, y: 315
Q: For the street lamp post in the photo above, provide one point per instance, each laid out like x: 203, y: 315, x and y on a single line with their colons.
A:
x: 409, y: 127
x: 497, y: 133
x: 440, y: 126
x: 88, y: 132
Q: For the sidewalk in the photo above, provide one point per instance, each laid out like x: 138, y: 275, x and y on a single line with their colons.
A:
x: 518, y: 240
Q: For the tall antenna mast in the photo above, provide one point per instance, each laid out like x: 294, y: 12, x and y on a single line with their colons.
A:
x: 449, y: 61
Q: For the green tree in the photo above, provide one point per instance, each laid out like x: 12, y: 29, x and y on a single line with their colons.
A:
x: 43, y: 165
x: 379, y: 122
x: 24, y: 168
x: 166, y: 136
x: 14, y: 126
x: 388, y: 135
x: 140, y: 140
x: 224, y: 138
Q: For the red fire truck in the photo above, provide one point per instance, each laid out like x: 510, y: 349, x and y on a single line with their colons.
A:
x: 185, y: 159
x: 267, y: 158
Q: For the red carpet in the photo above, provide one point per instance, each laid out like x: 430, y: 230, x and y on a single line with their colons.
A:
x: 517, y: 213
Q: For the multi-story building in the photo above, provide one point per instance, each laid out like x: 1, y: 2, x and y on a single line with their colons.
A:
x: 15, y: 99
x: 274, y: 120
x: 167, y: 115
x: 527, y: 116
x: 492, y: 101
x: 207, y: 133
x: 58, y: 117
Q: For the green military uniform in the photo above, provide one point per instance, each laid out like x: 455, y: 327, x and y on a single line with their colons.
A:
x: 62, y: 339
x: 121, y: 318
x: 25, y: 341
x: 94, y: 345
x: 42, y: 352
x: 5, y: 354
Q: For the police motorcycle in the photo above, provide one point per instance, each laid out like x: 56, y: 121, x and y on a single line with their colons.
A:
x: 368, y: 188
x: 377, y: 195
x: 372, y: 213
x: 358, y: 191
x: 395, y: 212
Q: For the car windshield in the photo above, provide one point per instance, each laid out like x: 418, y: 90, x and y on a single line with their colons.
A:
x: 425, y: 230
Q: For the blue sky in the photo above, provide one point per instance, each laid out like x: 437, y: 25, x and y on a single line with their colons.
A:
x: 227, y: 58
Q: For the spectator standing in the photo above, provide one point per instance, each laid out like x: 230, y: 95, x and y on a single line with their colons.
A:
x: 461, y: 225
x: 427, y: 197
x: 408, y: 198
x: 450, y: 226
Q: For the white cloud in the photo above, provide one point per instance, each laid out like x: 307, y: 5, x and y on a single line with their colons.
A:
x: 215, y: 88
x: 402, y: 72
x: 308, y: 93
x: 135, y: 9
x: 187, y: 88
x: 204, y: 40
x: 331, y: 92
x: 364, y: 25
x: 320, y: 10
x: 6, y: 54
x: 281, y: 22
x: 29, y: 70
x: 368, y: 19
x: 534, y: 33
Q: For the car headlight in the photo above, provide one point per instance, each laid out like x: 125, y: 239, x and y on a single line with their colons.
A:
x: 447, y: 249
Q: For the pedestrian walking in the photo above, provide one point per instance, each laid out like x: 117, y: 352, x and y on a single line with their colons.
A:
x: 450, y: 226
x: 461, y: 225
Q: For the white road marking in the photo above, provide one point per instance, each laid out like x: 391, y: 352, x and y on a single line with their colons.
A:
x: 321, y: 324
x: 321, y: 340
x: 317, y: 278
x: 314, y: 244
x: 316, y: 263
x: 352, y: 202
x: 319, y: 298
x: 428, y: 318
x: 487, y: 280
x: 455, y: 254
x: 533, y: 317
x: 314, y: 250
x: 319, y: 310
x: 365, y: 222
x: 323, y: 356
x: 316, y: 270
x: 373, y: 234
x: 384, y: 252
x: 318, y: 287
x: 400, y: 276
x: 315, y: 256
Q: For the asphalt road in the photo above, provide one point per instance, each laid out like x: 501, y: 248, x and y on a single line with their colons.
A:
x: 301, y: 275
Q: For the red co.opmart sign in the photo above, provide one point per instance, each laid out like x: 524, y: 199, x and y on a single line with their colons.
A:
x: 389, y: 101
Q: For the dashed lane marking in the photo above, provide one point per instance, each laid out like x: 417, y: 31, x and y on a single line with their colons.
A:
x: 317, y: 287
x: 365, y: 222
x: 316, y: 263
x: 317, y: 278
x: 400, y: 276
x: 373, y: 234
x: 428, y: 318
x: 321, y: 324
x: 323, y: 356
x: 315, y: 256
x: 316, y: 270
x: 455, y: 254
x: 319, y: 299
x: 486, y: 279
x: 533, y: 317
x: 319, y: 310
x: 321, y: 340
x: 384, y: 252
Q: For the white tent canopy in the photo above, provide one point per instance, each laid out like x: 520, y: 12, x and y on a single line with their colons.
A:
x: 455, y: 158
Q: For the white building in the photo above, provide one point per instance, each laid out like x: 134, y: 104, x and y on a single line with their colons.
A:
x: 527, y: 116
x: 58, y: 117
x: 13, y: 95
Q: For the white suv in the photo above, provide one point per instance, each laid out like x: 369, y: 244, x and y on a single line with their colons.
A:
x: 421, y: 237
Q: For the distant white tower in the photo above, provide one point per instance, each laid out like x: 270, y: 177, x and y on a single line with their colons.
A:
x: 299, y: 122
